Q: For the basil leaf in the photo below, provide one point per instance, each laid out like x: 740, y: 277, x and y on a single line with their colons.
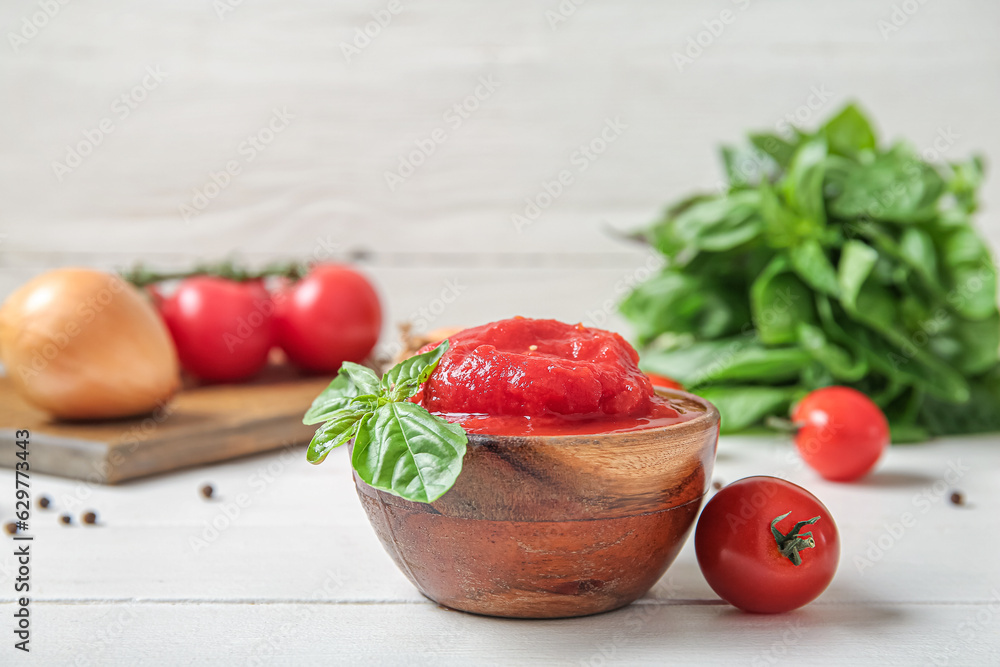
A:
x: 857, y: 259
x: 408, y: 452
x: 872, y: 305
x: 895, y: 187
x: 745, y: 167
x: 783, y: 226
x: 686, y: 303
x: 725, y: 360
x: 917, y: 249
x: 779, y: 302
x: 811, y: 263
x: 849, y: 132
x: 965, y: 179
x: 336, y: 432
x: 778, y: 149
x: 743, y: 406
x: 972, y: 275
x: 832, y: 357
x: 337, y: 396
x: 362, y: 377
x: 720, y: 224
x: 405, y: 378
x: 399, y: 447
x: 977, y: 415
x: 802, y: 186
x: 979, y: 342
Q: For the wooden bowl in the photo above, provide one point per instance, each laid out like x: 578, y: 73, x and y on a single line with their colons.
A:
x: 554, y: 526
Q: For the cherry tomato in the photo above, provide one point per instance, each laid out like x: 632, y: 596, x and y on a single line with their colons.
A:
x: 223, y: 330
x: 329, y: 317
x: 664, y: 381
x: 842, y: 433
x: 766, y: 545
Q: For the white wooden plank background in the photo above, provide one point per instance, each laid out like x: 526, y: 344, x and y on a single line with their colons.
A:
x: 299, y: 577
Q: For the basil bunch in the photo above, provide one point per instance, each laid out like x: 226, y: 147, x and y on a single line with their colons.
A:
x: 829, y: 260
x: 399, y: 446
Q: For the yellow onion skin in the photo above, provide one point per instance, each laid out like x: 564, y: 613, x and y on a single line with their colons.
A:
x: 84, y: 344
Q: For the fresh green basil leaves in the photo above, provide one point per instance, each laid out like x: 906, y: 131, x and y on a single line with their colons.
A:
x: 399, y: 447
x: 829, y: 260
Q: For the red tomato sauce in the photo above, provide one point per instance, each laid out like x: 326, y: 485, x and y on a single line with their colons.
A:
x: 663, y: 412
x: 543, y: 377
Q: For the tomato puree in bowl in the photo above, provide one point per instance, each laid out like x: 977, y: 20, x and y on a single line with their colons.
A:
x: 543, y: 377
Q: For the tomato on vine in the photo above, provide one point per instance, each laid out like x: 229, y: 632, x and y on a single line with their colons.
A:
x: 331, y: 316
x: 222, y: 328
x: 766, y: 545
x: 841, y: 433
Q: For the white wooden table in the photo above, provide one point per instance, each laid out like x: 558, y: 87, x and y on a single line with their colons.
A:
x: 296, y: 576
x: 283, y: 568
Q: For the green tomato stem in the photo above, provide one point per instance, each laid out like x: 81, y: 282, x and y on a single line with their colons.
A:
x: 790, y: 544
x: 141, y: 276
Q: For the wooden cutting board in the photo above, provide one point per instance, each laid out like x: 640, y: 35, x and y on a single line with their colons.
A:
x: 200, y: 425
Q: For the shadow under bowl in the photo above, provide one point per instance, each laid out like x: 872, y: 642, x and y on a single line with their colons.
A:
x: 554, y: 526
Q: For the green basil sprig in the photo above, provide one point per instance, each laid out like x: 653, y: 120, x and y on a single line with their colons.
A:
x: 830, y: 258
x: 399, y: 447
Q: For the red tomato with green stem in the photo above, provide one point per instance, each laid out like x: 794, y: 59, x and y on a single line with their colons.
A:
x: 223, y: 329
x: 766, y: 545
x: 331, y: 316
x: 841, y: 433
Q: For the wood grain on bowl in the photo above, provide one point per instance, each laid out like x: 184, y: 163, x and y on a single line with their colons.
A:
x: 552, y: 526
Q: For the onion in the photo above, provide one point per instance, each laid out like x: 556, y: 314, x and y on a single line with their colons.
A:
x: 83, y: 344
